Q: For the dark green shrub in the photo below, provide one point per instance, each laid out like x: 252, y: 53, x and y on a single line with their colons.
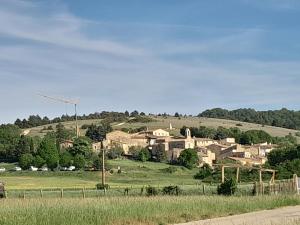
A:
x: 204, y: 172
x: 85, y: 126
x: 227, y: 188
x: 102, y: 187
x: 171, y: 169
x: 115, y: 153
x: 171, y: 190
x: 144, y: 155
x: 151, y: 191
x: 188, y: 158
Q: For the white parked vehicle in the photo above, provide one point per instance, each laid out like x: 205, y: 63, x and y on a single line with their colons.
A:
x: 44, y: 169
x: 63, y: 168
x: 32, y: 168
x: 17, y: 168
x: 71, y: 168
x: 2, y: 170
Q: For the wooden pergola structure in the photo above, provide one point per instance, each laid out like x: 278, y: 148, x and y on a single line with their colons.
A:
x: 238, y: 166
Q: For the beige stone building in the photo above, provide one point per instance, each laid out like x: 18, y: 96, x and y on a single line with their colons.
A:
x: 249, y: 162
x: 227, y: 141
x: 204, y: 142
x: 206, y: 156
x: 125, y: 140
x: 66, y: 144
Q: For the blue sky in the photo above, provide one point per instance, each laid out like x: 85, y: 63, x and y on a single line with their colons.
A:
x: 149, y: 55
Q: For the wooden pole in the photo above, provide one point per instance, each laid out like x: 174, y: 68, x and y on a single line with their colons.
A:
x: 41, y: 193
x: 237, y: 174
x: 260, y: 176
x: 223, y: 174
x: 83, y: 193
x: 103, y: 169
x: 62, y: 193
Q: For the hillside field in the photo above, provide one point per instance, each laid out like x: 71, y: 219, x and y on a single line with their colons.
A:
x: 164, y: 123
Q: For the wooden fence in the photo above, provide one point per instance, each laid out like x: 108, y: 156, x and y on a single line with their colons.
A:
x: 288, y: 186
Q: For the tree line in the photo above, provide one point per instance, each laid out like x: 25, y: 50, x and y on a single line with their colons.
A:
x: 280, y: 118
x: 242, y: 137
x: 36, y: 120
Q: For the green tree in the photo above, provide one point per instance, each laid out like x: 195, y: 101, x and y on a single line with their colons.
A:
x: 188, y: 158
x: 161, y: 155
x: 9, y: 138
x: 98, y: 133
x: 65, y: 159
x: 48, y: 151
x: 204, y: 171
x: 228, y: 187
x: 26, y: 160
x: 63, y: 134
x: 79, y: 161
x: 39, y: 162
x: 144, y: 155
x: 25, y: 145
x: 81, y: 146
x: 134, y: 151
x: 115, y: 152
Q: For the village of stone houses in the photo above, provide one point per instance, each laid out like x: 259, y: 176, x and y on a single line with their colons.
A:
x: 112, y: 154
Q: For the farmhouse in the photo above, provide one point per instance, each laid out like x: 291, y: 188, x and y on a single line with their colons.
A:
x: 125, y: 140
x: 66, y: 144
x: 204, y: 142
x: 206, y: 156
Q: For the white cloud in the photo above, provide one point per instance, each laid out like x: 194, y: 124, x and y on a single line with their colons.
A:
x: 61, y: 29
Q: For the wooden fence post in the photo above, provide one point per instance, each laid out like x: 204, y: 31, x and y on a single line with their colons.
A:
x: 260, y: 176
x: 24, y: 194
x: 41, y: 193
x: 223, y: 174
x: 237, y: 174
x: 62, y: 193
x: 295, y: 182
x: 203, y: 189
x: 83, y: 193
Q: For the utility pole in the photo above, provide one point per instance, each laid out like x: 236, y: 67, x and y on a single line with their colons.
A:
x: 103, y: 166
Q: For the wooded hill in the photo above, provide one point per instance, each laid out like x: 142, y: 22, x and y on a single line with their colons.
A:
x: 279, y: 118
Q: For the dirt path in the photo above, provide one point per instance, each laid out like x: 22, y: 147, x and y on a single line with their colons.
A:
x: 281, y: 216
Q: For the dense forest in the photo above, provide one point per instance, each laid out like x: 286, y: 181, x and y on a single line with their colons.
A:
x: 278, y: 118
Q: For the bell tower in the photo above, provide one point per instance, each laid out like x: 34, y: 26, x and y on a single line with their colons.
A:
x: 188, y: 133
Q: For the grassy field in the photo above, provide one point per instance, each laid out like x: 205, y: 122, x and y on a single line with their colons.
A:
x: 128, y: 210
x: 164, y: 123
x: 134, y: 174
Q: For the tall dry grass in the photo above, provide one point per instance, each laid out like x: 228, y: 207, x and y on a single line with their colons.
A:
x: 132, y: 210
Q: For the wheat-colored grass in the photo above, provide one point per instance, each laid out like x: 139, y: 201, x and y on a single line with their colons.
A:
x: 129, y: 210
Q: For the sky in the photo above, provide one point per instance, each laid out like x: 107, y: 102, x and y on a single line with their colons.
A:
x: 154, y: 56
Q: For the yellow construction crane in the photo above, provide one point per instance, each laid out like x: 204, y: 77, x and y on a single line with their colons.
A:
x: 66, y: 101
